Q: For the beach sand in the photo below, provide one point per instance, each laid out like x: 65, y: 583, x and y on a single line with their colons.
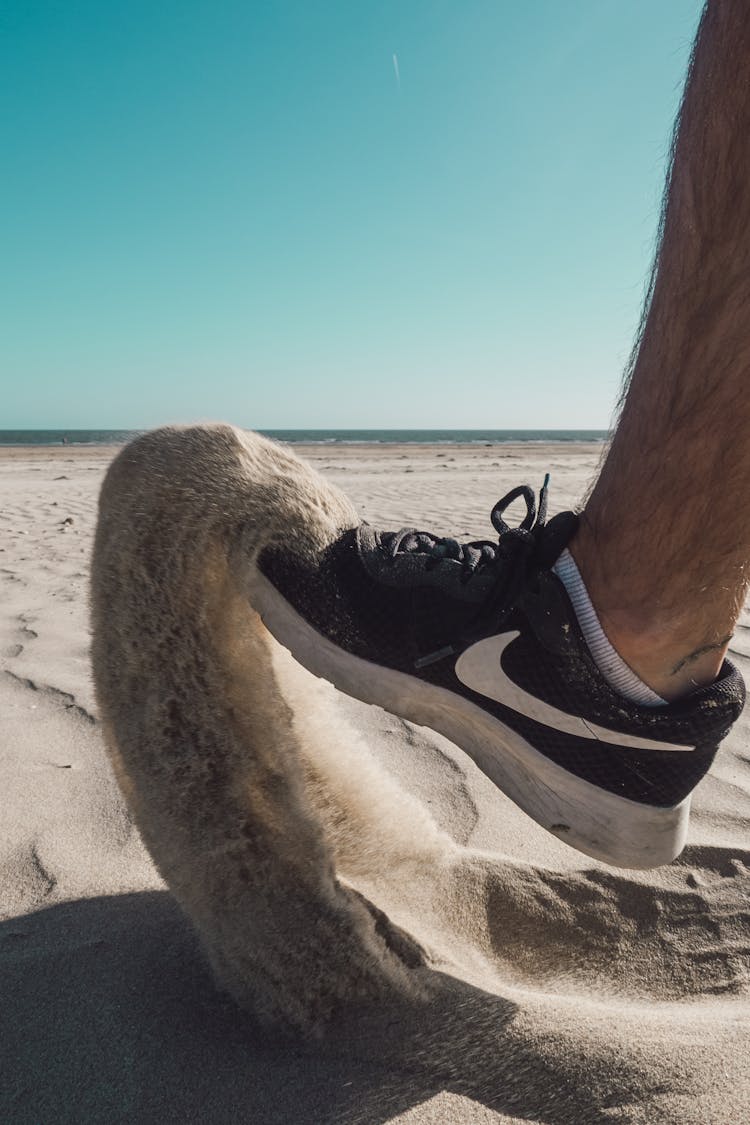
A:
x: 566, y: 992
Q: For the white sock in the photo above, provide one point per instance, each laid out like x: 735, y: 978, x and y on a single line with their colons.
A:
x: 609, y: 662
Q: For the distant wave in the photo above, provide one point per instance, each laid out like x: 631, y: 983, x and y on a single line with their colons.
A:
x: 67, y: 437
x: 431, y: 437
x: 322, y: 437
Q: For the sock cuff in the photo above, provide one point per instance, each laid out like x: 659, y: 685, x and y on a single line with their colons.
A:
x: 616, y: 672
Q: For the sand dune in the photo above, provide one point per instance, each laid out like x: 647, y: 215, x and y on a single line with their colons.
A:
x: 548, y: 987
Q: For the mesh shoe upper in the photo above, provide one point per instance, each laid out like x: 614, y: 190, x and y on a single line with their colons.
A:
x: 414, y: 603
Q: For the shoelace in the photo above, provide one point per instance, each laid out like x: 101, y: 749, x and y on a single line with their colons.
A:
x: 513, y: 555
x: 481, y: 551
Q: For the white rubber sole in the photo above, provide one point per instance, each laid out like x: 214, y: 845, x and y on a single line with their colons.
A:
x: 600, y: 824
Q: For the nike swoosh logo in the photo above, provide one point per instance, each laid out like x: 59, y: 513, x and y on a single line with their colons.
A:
x: 480, y: 668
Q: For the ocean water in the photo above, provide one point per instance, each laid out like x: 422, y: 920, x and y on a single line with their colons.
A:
x: 322, y: 437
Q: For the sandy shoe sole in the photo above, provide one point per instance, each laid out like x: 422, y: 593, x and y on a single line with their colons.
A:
x: 600, y: 824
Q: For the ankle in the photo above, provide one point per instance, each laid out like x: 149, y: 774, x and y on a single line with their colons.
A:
x: 673, y: 654
x: 665, y: 656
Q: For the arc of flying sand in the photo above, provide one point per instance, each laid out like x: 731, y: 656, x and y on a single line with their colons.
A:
x: 203, y: 740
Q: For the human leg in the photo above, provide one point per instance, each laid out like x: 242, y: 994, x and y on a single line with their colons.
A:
x: 664, y: 540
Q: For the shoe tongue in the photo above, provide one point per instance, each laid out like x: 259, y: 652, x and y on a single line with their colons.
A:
x: 555, y: 537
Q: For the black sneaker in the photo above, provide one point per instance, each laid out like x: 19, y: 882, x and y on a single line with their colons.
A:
x: 479, y: 642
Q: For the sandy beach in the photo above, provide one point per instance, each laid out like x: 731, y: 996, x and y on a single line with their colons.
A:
x: 569, y: 993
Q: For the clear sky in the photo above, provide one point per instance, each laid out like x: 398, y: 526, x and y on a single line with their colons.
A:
x: 328, y: 213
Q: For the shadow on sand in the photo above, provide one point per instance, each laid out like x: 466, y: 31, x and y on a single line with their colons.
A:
x: 109, y: 1014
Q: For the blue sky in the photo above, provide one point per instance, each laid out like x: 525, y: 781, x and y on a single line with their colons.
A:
x: 246, y: 211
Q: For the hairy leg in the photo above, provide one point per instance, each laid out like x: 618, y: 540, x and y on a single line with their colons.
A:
x: 664, y: 542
